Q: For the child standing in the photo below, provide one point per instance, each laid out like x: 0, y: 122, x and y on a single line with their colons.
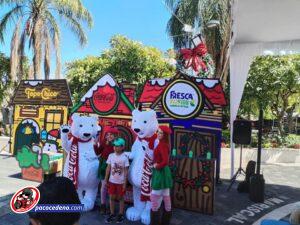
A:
x: 161, y: 178
x: 116, y: 178
x: 103, y: 151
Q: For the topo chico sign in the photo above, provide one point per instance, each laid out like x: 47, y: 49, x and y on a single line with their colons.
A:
x: 44, y: 94
x: 182, y: 99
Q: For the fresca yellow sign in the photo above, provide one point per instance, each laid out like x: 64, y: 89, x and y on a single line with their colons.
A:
x: 44, y: 94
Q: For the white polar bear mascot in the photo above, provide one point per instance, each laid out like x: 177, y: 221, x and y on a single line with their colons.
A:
x: 81, y: 165
x: 145, y: 125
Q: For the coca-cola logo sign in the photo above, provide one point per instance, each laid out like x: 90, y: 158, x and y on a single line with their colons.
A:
x: 105, y: 99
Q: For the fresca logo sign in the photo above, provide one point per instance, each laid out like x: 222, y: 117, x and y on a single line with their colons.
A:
x: 24, y: 200
x: 182, y: 99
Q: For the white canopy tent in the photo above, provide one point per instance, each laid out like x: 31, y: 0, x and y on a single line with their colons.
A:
x: 259, y: 27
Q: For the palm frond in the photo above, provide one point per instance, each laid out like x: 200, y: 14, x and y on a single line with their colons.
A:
x: 76, y: 28
x: 186, y: 12
x: 75, y: 9
x: 172, y: 4
x: 52, y: 24
x: 16, y: 11
x: 12, y: 2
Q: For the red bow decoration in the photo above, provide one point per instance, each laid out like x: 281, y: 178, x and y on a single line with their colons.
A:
x: 192, y: 57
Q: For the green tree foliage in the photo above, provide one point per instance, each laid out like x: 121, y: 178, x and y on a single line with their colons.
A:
x: 7, y: 84
x: 127, y: 60
x: 274, y: 85
x: 36, y: 25
x: 4, y: 76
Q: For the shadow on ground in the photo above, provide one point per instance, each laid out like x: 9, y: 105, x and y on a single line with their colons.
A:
x: 230, y: 208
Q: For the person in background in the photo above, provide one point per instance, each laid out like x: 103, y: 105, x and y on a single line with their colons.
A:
x: 116, y: 179
x: 295, y: 216
x: 103, y: 150
x: 59, y: 190
x: 161, y: 178
x: 293, y: 220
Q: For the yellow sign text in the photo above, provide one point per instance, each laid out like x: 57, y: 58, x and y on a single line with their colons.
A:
x: 45, y: 93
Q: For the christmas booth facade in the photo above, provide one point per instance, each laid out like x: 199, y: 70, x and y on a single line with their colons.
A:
x: 113, y: 103
x: 40, y: 108
x: 192, y: 108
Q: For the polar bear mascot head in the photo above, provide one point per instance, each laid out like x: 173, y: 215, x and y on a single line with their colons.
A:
x: 84, y: 127
x: 145, y: 125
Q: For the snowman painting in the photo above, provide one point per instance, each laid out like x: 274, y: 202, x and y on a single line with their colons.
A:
x: 51, y: 142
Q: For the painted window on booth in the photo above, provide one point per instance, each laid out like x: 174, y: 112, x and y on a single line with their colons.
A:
x: 29, y: 111
x: 53, y: 119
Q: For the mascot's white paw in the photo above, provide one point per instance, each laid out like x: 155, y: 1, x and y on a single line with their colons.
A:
x: 145, y: 217
x: 133, y: 214
x: 65, y: 128
x: 87, y: 204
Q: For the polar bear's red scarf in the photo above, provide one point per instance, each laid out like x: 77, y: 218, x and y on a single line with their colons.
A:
x: 147, y: 167
x: 73, y: 169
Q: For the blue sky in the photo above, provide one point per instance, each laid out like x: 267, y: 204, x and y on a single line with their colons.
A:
x: 141, y: 20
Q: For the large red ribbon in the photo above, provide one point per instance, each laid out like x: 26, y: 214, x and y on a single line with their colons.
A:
x: 192, y: 57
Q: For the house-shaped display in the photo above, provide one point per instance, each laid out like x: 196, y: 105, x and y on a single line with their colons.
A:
x: 192, y: 107
x: 113, y: 103
x: 40, y: 108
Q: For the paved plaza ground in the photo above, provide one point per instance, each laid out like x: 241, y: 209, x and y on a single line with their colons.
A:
x: 282, y: 193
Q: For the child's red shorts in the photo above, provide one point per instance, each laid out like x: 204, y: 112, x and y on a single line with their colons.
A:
x: 116, y: 189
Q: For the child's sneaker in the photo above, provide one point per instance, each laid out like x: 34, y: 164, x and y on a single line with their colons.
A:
x: 120, y: 218
x: 110, y: 219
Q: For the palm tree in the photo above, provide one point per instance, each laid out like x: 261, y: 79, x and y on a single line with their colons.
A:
x: 200, y: 12
x: 36, y: 25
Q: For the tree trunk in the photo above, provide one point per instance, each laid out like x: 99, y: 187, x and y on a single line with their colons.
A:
x: 280, y: 127
x: 290, y: 112
x: 37, y: 48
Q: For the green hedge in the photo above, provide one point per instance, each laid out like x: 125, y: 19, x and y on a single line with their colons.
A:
x: 291, y: 141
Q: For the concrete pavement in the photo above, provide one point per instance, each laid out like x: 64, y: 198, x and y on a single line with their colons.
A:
x: 283, y: 188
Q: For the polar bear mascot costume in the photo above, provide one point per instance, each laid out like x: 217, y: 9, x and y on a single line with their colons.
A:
x: 145, y: 125
x: 81, y: 165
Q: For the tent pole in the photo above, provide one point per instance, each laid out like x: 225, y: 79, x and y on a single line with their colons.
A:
x: 260, y: 127
x: 232, y: 151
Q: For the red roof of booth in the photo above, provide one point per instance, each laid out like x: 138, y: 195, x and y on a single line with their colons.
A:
x: 211, y: 88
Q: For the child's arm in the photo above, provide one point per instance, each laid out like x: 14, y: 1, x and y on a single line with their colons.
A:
x: 125, y: 176
x: 107, y: 172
